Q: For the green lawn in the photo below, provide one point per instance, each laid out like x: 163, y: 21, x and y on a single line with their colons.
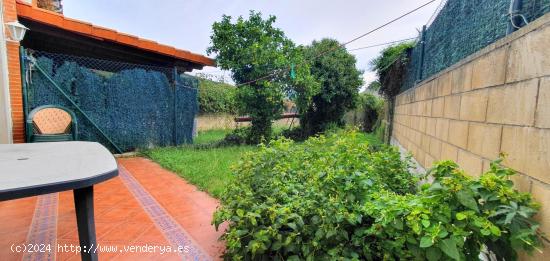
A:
x: 207, y: 168
x: 209, y: 136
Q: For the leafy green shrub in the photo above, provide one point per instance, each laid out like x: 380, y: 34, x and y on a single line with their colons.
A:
x: 238, y: 136
x: 454, y: 217
x: 339, y: 81
x: 295, y: 134
x: 372, y: 107
x: 380, y: 129
x: 336, y: 198
x: 389, y: 55
x: 216, y: 97
x: 390, y: 66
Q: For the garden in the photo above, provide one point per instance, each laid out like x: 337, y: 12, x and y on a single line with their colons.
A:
x: 322, y: 190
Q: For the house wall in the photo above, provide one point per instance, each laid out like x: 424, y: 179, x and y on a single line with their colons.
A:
x: 14, y: 76
x: 495, y: 101
x: 5, y: 110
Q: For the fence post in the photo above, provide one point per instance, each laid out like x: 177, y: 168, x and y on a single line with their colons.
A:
x: 175, y: 128
x: 422, y: 52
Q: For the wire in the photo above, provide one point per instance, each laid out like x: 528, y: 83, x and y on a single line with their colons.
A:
x: 513, y: 13
x: 351, y: 50
x: 513, y: 17
x: 275, y: 72
x: 436, y: 12
x: 388, y: 23
x: 382, y: 44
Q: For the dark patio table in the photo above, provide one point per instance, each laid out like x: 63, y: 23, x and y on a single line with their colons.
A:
x: 40, y: 168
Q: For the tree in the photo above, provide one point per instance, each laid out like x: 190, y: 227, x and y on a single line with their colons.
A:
x: 372, y: 107
x: 374, y: 86
x: 216, y: 97
x: 253, y: 49
x: 334, y: 68
x: 52, y: 5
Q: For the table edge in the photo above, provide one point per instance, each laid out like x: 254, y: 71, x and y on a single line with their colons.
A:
x: 35, y: 190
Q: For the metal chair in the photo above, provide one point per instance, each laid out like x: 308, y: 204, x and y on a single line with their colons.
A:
x: 50, y: 123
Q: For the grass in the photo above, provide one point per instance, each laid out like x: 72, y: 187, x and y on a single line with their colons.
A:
x: 209, y: 169
x: 209, y: 136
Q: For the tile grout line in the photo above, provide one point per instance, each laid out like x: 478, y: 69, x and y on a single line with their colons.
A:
x: 171, y: 230
x: 43, y: 229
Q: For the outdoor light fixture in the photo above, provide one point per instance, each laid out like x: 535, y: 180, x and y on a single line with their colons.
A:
x: 17, y: 31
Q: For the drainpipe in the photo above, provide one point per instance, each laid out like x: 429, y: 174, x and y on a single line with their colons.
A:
x: 514, y: 20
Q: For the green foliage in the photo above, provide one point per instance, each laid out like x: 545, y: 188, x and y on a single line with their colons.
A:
x: 374, y: 86
x: 389, y: 55
x: 238, y: 136
x: 253, y: 49
x: 455, y: 216
x: 339, y: 81
x: 336, y: 198
x: 210, y: 136
x: 207, y: 168
x: 305, y: 86
x: 296, y: 199
x: 241, y: 136
x: 372, y: 107
x: 216, y: 97
x: 390, y: 67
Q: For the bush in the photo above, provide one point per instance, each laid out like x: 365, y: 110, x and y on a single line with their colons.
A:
x: 295, y: 134
x: 372, y: 107
x: 339, y: 82
x: 390, y: 66
x: 216, y: 97
x: 336, y: 198
x: 239, y: 136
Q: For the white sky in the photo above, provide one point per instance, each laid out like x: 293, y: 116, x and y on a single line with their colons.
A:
x: 186, y: 24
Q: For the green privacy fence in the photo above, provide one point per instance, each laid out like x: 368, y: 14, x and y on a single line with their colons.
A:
x: 462, y: 28
x: 124, y: 106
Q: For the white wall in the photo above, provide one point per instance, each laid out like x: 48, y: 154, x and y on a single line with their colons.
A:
x: 5, y: 111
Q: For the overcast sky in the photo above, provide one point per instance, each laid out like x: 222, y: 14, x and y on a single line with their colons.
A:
x: 186, y: 24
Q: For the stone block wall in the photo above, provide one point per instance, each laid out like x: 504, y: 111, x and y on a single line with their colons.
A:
x: 495, y: 101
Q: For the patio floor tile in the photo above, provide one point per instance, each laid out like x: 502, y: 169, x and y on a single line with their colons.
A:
x: 146, y: 206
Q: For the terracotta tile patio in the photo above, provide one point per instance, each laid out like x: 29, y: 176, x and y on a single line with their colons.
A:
x: 145, y: 206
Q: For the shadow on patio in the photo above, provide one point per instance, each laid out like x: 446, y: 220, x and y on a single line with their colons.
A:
x: 145, y: 208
